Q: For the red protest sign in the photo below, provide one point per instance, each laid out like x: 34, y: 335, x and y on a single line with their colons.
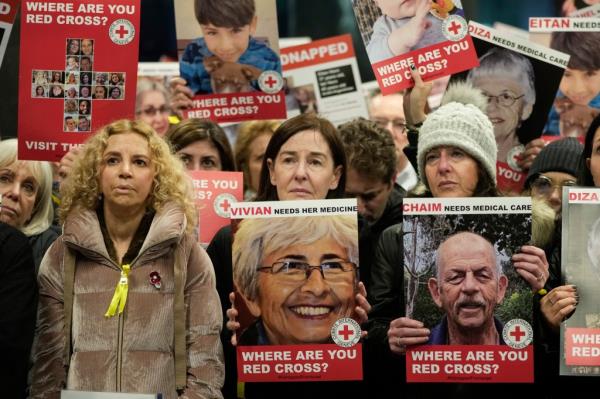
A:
x: 78, y: 73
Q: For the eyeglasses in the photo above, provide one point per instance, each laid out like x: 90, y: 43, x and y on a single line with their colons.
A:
x: 397, y: 124
x: 543, y: 185
x: 151, y: 111
x: 504, y: 99
x: 293, y: 270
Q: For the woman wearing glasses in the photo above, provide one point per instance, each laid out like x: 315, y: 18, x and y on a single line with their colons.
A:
x: 507, y: 80
x: 306, y: 277
x: 152, y: 105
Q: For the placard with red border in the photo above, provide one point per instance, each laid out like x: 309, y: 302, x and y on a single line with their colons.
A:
x: 215, y: 192
x: 323, y: 76
x: 339, y: 356
x: 68, y: 50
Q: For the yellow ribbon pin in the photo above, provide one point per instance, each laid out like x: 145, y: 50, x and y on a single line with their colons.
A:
x: 120, y: 296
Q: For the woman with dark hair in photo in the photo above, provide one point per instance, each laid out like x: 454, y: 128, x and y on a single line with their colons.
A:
x: 39, y: 91
x: 201, y: 144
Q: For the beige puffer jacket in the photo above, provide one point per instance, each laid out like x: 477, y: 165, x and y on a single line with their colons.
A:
x: 132, y: 352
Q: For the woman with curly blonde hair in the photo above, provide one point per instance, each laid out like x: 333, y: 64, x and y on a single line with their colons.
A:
x: 127, y: 296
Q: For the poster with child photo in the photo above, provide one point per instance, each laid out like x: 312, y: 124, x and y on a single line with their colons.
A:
x: 229, y: 59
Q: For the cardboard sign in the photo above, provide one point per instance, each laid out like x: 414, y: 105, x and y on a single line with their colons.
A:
x: 577, y: 102
x: 77, y: 72
x: 280, y: 246
x: 520, y: 79
x: 442, y: 233
x: 580, y: 335
x: 231, y: 85
x: 8, y: 12
x: 323, y: 77
x: 215, y: 193
x: 433, y: 37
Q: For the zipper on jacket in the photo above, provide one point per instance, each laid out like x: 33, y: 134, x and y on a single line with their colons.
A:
x: 120, y: 351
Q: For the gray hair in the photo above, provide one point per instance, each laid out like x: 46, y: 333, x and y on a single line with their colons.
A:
x: 255, y: 238
x: 502, y: 62
x: 145, y: 85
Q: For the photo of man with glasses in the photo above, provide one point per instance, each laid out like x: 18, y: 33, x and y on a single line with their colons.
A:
x: 296, y: 275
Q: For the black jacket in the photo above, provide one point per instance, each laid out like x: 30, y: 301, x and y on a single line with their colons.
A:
x: 18, y: 301
x: 369, y: 234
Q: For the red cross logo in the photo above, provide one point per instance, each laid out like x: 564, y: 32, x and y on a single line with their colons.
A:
x: 270, y: 81
x: 517, y: 333
x: 225, y: 205
x: 346, y: 332
x: 78, y: 85
x: 454, y: 27
x: 121, y: 31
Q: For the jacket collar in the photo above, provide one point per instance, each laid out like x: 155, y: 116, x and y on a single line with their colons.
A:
x: 81, y: 231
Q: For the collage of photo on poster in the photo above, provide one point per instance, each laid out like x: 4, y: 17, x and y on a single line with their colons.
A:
x: 431, y: 36
x: 78, y: 78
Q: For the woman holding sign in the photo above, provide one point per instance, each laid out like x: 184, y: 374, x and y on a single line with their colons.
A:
x: 127, y: 287
x: 304, y: 159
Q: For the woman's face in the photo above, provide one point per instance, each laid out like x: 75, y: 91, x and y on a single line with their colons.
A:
x: 451, y: 172
x: 85, y: 79
x: 155, y: 111
x: 580, y: 86
x: 56, y: 77
x: 255, y: 159
x: 100, y: 92
x: 87, y: 46
x: 593, y: 162
x: 114, y: 78
x: 74, y: 47
x: 56, y: 90
x: 501, y: 91
x: 300, y: 309
x: 115, y: 93
x: 39, y: 91
x: 19, y: 189
x: 201, y: 155
x: 304, y: 167
x: 83, y: 107
x: 126, y: 173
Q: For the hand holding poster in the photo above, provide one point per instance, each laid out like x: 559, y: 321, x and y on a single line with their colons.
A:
x: 477, y: 308
x: 231, y: 59
x: 295, y: 269
x: 322, y: 76
x: 77, y: 74
x: 580, y: 333
x: 519, y: 78
x: 431, y: 36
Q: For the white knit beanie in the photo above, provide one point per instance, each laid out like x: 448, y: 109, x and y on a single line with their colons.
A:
x: 460, y: 122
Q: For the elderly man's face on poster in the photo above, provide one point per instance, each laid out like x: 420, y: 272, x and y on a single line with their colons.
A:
x: 468, y: 286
